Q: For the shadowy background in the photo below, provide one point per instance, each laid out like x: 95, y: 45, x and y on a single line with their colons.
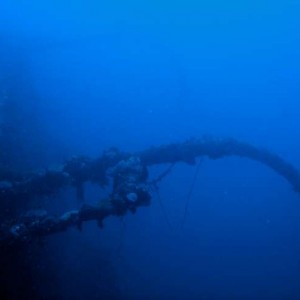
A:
x: 79, y: 77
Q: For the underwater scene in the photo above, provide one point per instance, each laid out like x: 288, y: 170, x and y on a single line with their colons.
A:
x: 150, y: 150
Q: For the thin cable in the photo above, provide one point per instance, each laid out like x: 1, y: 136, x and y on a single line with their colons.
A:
x: 154, y: 187
x: 162, y: 175
x: 189, y: 195
x: 162, y: 207
x: 121, y: 237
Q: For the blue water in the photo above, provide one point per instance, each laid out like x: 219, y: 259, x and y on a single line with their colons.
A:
x: 89, y: 75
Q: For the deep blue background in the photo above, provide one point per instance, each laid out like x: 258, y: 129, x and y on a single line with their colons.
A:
x: 133, y: 74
